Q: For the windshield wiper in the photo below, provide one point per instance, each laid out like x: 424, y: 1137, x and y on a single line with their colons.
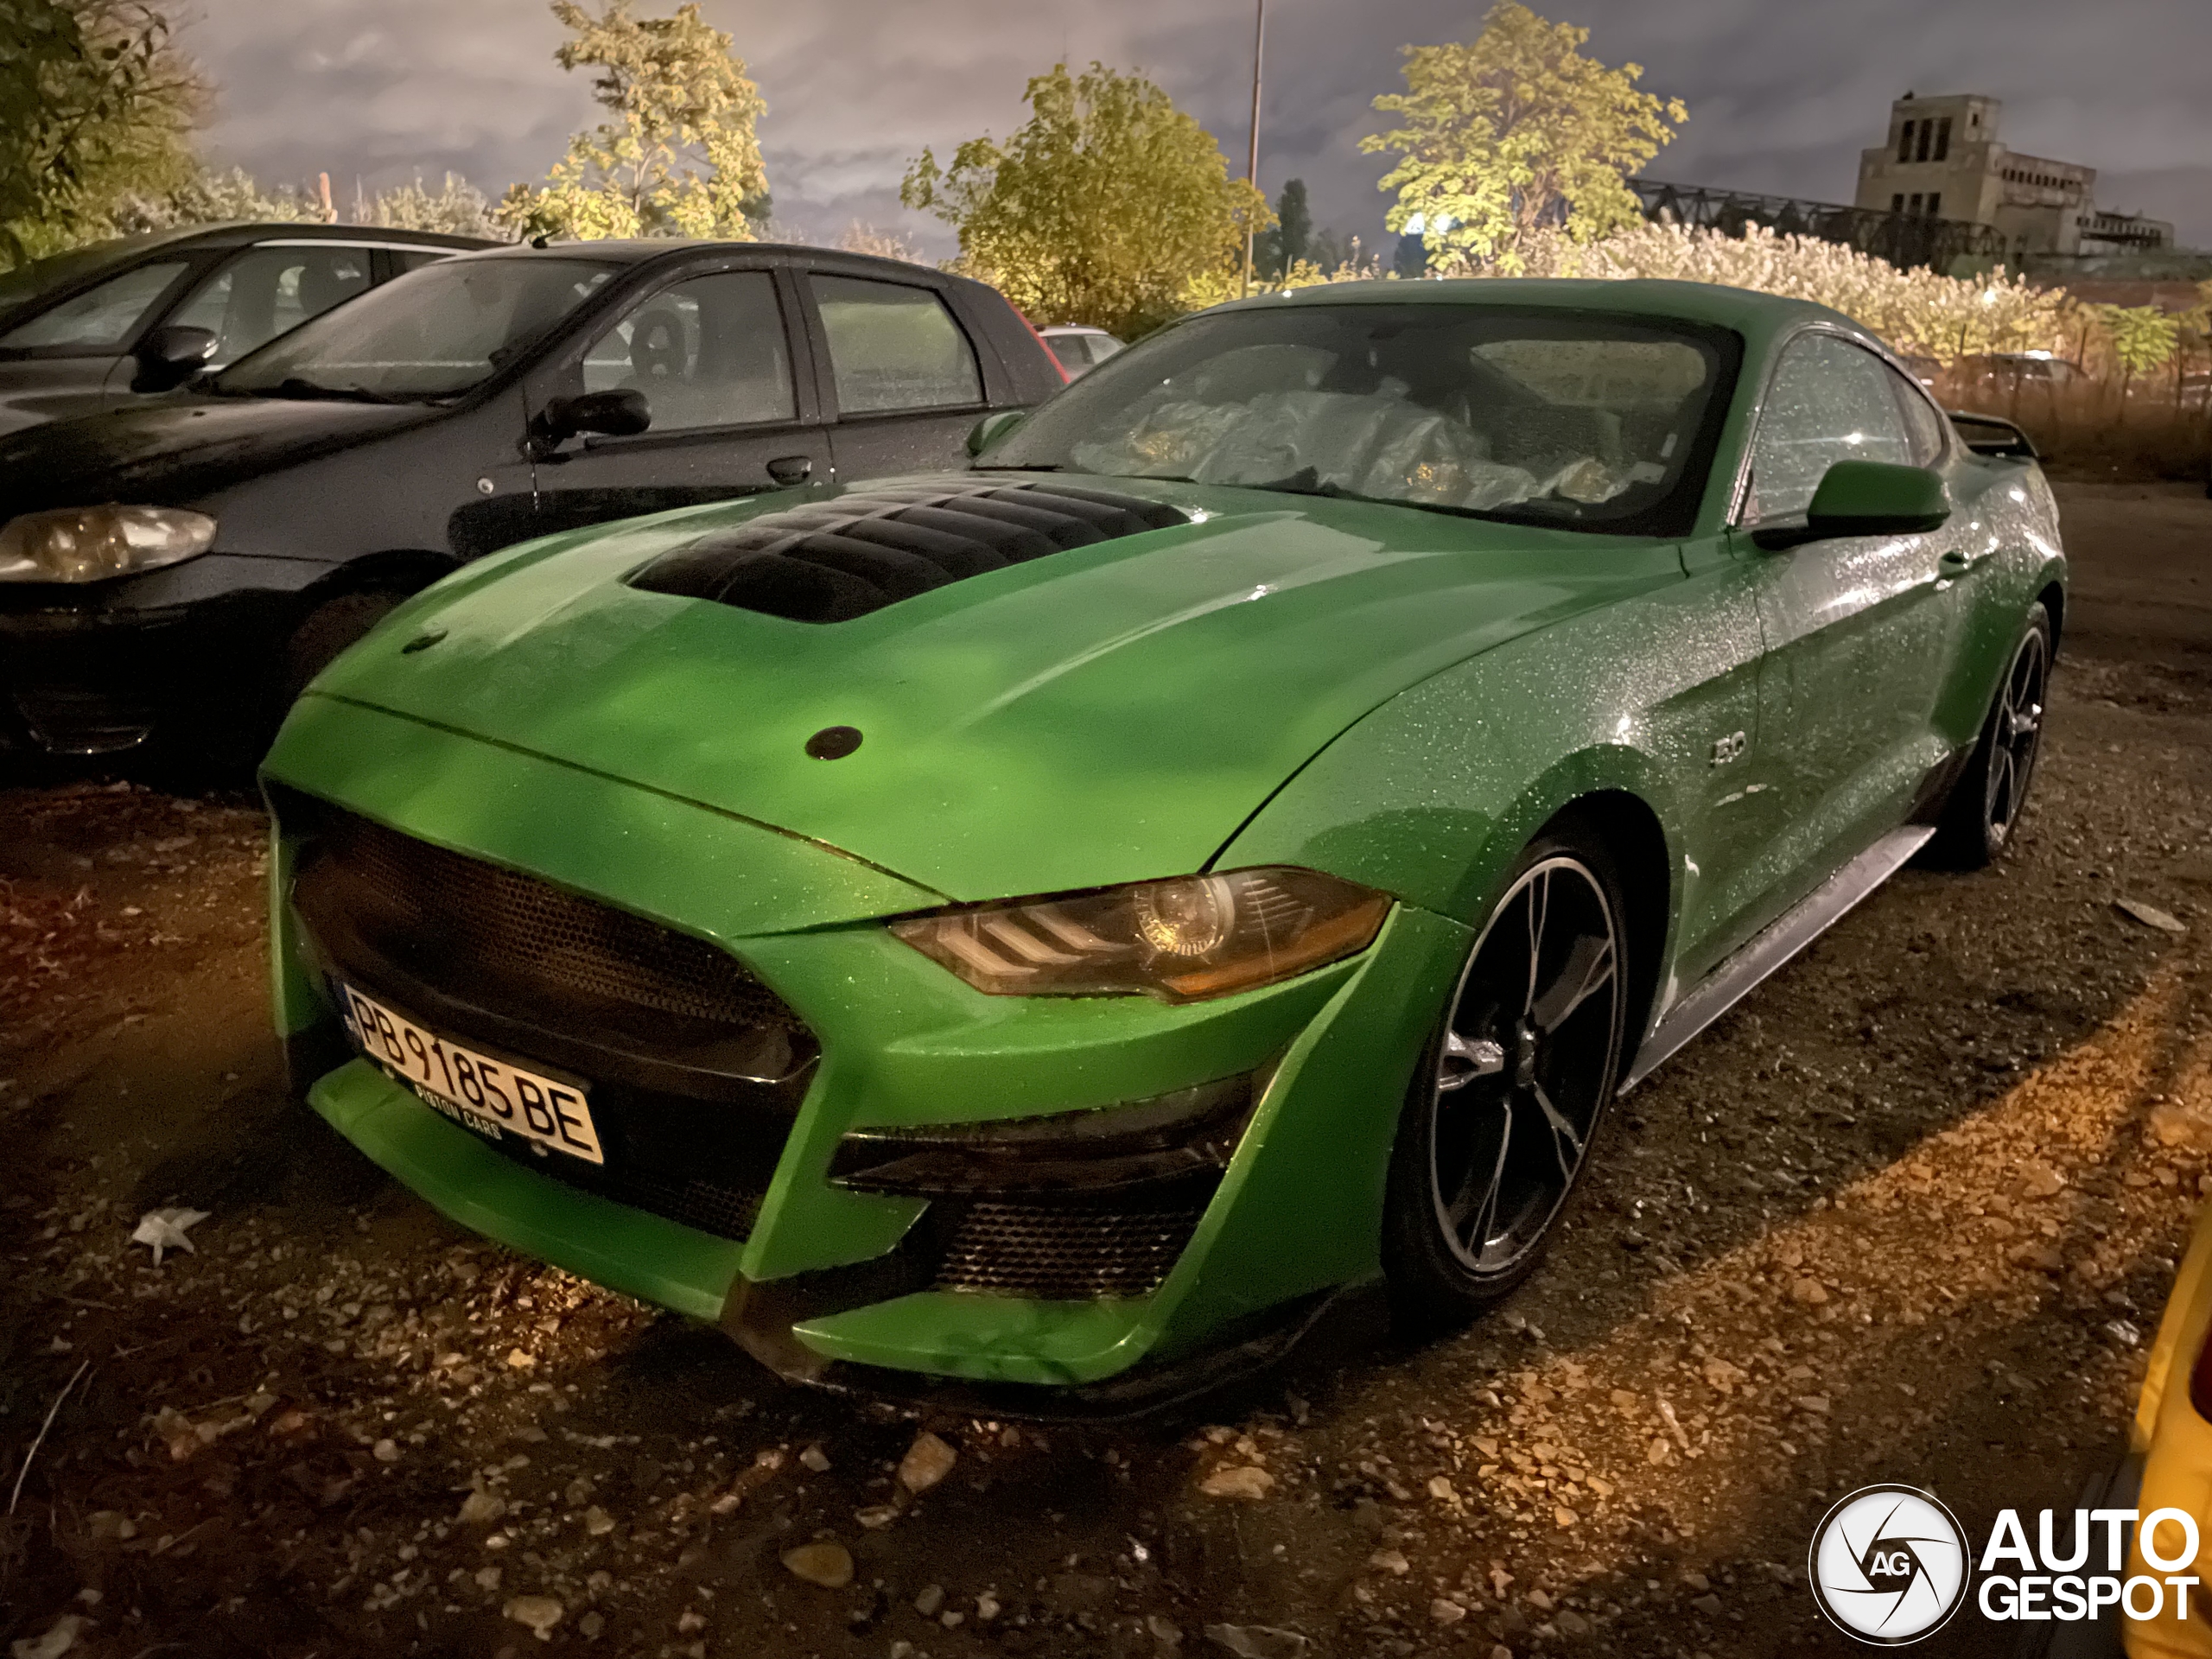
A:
x: 293, y: 386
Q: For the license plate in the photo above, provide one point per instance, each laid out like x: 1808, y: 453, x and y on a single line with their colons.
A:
x: 494, y: 1097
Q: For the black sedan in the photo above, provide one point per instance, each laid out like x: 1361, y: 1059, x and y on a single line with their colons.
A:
x: 172, y: 573
x: 98, y: 327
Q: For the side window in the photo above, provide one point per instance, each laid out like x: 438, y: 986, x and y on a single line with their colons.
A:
x: 101, y: 318
x: 1925, y: 429
x: 1101, y: 346
x: 415, y: 259
x: 1829, y: 401
x: 893, y: 346
x: 706, y: 353
x: 1070, y: 351
x: 266, y: 292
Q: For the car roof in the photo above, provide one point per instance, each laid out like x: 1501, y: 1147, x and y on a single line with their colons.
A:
x: 245, y: 232
x: 1740, y: 308
x: 643, y: 250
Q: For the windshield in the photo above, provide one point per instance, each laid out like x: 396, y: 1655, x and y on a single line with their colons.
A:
x: 42, y: 276
x: 434, y: 333
x: 1560, y: 417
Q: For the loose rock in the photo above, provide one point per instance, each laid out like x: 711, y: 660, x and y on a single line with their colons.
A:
x: 828, y: 1565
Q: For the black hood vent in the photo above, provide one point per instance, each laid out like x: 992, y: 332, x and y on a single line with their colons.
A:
x: 832, y: 561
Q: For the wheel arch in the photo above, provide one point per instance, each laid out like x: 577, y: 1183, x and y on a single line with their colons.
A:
x: 1625, y: 824
x: 2052, y: 598
x: 403, y: 570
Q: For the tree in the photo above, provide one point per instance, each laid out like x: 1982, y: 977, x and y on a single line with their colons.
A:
x: 2142, y: 337
x: 96, y: 103
x: 1513, y: 132
x: 1410, y: 257
x: 679, y: 158
x: 1275, y: 252
x: 1110, y: 207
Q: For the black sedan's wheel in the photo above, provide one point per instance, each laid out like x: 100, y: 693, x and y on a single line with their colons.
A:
x: 1986, y: 804
x: 1498, y: 1123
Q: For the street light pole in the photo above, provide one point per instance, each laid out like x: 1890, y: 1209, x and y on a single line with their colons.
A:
x: 1252, y: 166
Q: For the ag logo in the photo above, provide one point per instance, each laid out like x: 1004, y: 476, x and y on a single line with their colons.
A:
x: 1888, y: 1565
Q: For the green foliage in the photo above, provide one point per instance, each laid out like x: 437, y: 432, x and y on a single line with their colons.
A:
x: 1514, y: 132
x: 1333, y: 251
x: 458, y: 208
x: 1276, y: 250
x: 96, y: 104
x: 1110, y: 207
x: 209, y: 198
x: 2142, y: 337
x: 679, y: 158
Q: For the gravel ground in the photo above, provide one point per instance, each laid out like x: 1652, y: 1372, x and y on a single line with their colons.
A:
x: 1909, y: 1214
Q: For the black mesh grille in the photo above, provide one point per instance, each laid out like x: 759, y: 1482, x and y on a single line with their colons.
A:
x: 694, y: 1069
x: 1060, y: 1251
x: 656, y: 1151
x: 833, y: 560
x: 457, y: 921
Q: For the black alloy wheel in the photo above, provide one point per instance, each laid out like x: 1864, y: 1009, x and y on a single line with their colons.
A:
x: 2017, y: 733
x: 1498, y: 1124
x: 1985, y: 807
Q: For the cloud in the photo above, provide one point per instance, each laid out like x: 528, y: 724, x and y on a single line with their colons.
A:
x: 1782, y: 96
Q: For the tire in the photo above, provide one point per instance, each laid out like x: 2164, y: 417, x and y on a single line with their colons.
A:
x: 1512, y: 1088
x: 1986, y: 804
x: 323, y: 632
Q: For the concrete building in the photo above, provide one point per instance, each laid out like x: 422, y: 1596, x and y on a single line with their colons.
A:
x: 1943, y: 160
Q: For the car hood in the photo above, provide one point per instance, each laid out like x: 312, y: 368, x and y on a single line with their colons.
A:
x: 175, y: 451
x: 1107, y: 713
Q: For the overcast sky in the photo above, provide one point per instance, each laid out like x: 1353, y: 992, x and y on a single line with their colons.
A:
x: 1782, y: 96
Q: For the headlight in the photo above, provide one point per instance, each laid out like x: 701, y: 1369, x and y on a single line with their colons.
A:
x: 92, y: 544
x: 1180, y: 940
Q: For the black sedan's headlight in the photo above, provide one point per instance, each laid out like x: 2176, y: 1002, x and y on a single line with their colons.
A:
x: 1180, y: 940
x: 93, y: 543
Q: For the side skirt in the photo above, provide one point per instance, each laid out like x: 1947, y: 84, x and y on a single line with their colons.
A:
x: 1743, y: 973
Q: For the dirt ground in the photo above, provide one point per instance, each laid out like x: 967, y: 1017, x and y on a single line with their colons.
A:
x: 1909, y: 1214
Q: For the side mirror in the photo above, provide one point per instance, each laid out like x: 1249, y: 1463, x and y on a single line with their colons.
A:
x: 1866, y: 498
x: 170, y: 356
x: 619, y: 414
x: 989, y: 430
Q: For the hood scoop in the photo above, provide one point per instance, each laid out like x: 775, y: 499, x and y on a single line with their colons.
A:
x: 833, y: 560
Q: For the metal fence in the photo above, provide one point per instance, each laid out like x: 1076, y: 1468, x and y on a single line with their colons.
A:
x: 1905, y: 239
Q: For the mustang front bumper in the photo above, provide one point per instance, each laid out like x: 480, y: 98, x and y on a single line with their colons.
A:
x: 1033, y: 1280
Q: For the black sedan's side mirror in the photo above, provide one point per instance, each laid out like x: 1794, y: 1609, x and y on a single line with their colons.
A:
x: 619, y: 414
x: 168, y: 357
x: 993, y: 427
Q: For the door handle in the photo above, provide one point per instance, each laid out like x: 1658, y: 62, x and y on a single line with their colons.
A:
x: 792, y: 469
x: 1954, y: 563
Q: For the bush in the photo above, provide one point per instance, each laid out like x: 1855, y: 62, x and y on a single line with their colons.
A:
x: 1919, y: 313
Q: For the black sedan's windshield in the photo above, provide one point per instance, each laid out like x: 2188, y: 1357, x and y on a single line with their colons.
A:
x: 434, y: 333
x: 1581, y: 419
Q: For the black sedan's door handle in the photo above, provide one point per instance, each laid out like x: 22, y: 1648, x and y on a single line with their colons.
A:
x: 792, y: 469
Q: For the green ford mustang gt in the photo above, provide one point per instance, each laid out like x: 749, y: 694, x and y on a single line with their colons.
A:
x: 1056, y: 923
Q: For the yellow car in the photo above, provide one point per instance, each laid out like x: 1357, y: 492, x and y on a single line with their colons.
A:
x: 2172, y: 1438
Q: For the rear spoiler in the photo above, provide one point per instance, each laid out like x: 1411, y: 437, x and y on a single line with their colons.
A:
x: 1988, y: 435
